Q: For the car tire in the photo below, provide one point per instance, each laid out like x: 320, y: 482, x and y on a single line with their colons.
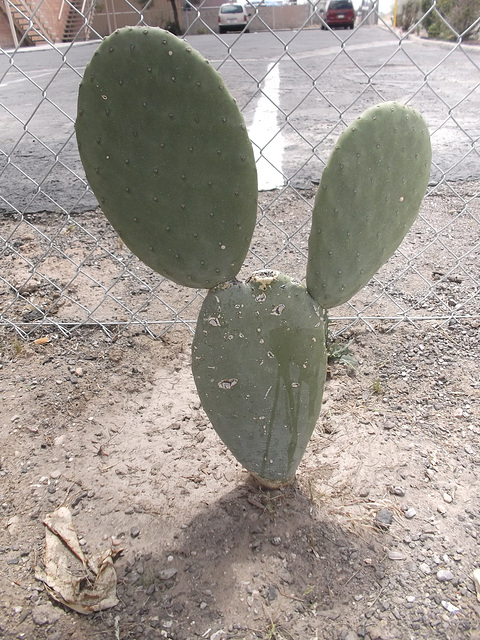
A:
x: 352, y: 24
x: 221, y: 30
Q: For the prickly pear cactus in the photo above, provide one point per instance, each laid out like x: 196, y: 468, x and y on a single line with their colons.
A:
x: 166, y: 152
x: 369, y: 196
x: 259, y: 364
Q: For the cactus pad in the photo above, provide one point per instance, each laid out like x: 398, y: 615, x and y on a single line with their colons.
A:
x: 259, y: 364
x: 369, y: 196
x: 166, y: 152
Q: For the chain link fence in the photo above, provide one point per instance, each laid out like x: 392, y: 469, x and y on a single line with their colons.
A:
x: 298, y: 84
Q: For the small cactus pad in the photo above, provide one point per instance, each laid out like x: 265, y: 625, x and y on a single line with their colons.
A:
x: 369, y: 196
x: 259, y: 364
x: 166, y: 152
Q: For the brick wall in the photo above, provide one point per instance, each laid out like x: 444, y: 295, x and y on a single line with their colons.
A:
x: 6, y: 39
x: 50, y: 13
x: 114, y: 14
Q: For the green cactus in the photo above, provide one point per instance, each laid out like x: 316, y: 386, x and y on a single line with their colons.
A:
x: 263, y: 403
x: 368, y: 198
x: 166, y: 152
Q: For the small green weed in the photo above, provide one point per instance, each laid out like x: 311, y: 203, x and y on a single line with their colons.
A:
x: 17, y: 346
x: 338, y: 352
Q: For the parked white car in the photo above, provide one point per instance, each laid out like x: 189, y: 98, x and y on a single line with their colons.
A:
x: 232, y: 17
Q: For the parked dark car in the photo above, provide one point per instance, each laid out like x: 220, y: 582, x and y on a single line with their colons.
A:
x: 339, y: 13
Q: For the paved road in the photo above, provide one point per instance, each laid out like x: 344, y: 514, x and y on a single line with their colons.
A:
x: 324, y: 80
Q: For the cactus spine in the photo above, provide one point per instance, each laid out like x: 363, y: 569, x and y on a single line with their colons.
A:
x: 166, y: 152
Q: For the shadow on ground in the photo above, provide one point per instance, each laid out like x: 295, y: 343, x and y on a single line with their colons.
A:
x: 251, y: 560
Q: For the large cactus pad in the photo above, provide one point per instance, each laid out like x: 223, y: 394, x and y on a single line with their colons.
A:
x: 259, y: 364
x: 369, y: 196
x: 166, y: 152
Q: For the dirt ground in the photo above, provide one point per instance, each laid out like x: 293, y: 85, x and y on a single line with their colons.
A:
x: 377, y: 538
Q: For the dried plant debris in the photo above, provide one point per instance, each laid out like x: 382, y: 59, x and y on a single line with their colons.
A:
x: 70, y: 578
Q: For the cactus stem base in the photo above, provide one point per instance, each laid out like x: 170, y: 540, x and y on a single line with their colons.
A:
x: 270, y: 484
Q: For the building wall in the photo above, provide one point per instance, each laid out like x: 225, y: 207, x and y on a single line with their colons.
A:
x: 114, y: 14
x: 6, y: 39
x: 282, y: 17
x: 49, y: 14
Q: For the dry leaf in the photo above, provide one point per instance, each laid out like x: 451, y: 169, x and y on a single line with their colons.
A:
x: 70, y: 578
x: 43, y: 340
x: 476, y: 580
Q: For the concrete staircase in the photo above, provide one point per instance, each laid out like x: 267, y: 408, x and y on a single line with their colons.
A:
x: 31, y: 23
x: 80, y: 14
x: 27, y: 19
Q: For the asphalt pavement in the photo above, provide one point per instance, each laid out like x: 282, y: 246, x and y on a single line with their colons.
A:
x: 324, y: 81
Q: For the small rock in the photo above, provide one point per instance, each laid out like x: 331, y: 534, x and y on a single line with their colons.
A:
x: 444, y: 575
x: 79, y: 372
x: 451, y: 608
x: 383, y: 518
x: 468, y: 449
x: 13, y: 525
x: 24, y: 615
x: 203, y: 605
x: 55, y: 474
x: 276, y: 541
x: 376, y: 632
x: 129, y: 510
x: 45, y: 614
x: 285, y: 576
x: 458, y: 413
x: 134, y: 532
x: 476, y: 580
x: 410, y: 513
x: 424, y: 568
x: 447, y: 497
x: 430, y: 473
x: 167, y: 574
x: 441, y: 509
x: 394, y: 554
x: 272, y: 593
x: 397, y: 491
x: 363, y: 493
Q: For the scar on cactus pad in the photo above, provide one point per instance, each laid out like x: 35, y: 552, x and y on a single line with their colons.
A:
x: 166, y: 152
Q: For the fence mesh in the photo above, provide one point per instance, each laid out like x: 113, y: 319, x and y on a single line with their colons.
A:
x: 299, y: 82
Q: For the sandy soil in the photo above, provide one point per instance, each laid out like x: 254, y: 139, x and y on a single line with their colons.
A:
x: 377, y: 539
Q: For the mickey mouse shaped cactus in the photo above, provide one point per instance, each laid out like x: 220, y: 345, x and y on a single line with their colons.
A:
x: 166, y: 152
